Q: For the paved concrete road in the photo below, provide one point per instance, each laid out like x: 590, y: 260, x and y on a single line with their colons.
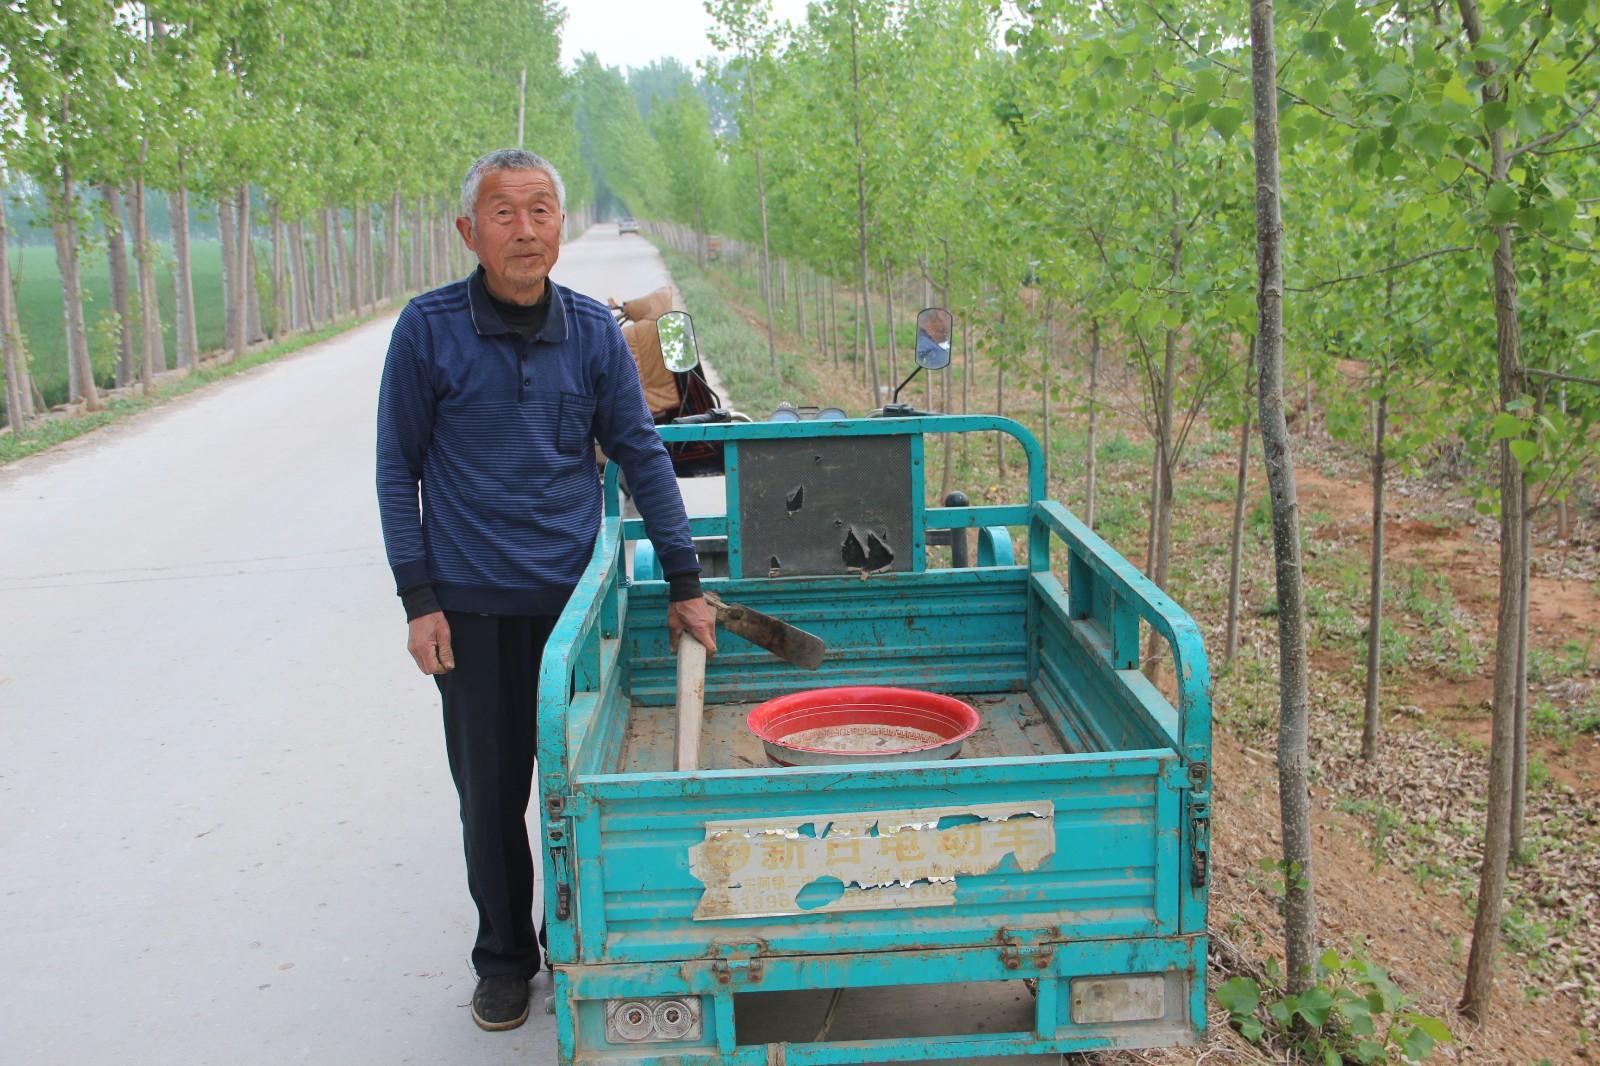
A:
x: 227, y: 831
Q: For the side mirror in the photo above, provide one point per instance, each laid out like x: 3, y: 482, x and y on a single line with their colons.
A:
x: 935, y: 326
x: 678, y: 349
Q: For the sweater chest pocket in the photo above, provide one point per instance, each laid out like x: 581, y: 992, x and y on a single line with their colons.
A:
x: 573, y: 421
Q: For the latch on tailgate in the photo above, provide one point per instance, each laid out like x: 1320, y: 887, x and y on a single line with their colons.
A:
x: 556, y: 829
x: 1199, y: 843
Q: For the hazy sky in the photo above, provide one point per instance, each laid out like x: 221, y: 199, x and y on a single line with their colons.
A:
x: 631, y: 33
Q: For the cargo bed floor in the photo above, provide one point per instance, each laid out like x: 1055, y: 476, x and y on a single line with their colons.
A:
x: 1012, y: 725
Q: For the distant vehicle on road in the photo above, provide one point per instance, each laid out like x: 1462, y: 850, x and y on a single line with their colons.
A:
x: 627, y: 224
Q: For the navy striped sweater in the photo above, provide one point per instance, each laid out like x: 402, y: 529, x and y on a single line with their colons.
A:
x: 499, y: 434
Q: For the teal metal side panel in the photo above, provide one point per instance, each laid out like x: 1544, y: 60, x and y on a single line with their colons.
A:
x: 1050, y: 966
x: 954, y: 631
x: 1106, y: 875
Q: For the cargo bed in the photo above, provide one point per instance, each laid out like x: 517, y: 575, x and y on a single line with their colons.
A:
x: 1068, y: 843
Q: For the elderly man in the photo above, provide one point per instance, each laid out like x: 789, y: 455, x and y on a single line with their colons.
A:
x: 495, y: 390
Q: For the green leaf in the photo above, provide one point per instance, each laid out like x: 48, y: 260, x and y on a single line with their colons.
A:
x: 1315, y: 1005
x: 1411, y: 210
x: 1392, y: 80
x: 1330, y: 961
x: 1496, y: 114
x: 1501, y: 201
x: 1226, y: 121
x: 1281, y: 1010
x: 1316, y: 43
x: 1366, y: 147
x: 1331, y: 1057
x: 1239, y: 995
x: 1417, y: 1044
x: 1207, y: 86
x: 1432, y: 1026
x: 1506, y: 425
x: 1447, y: 171
x: 1525, y: 452
x: 1369, y: 1051
x: 1455, y: 90
x: 1550, y: 78
x: 1251, y: 1029
x: 1568, y: 10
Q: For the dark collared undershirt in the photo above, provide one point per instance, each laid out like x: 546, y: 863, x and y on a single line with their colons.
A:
x: 527, y: 320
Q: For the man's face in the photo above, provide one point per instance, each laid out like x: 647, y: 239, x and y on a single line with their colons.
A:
x: 515, y: 232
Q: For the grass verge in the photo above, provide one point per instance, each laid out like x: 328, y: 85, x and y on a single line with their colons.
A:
x: 48, y: 433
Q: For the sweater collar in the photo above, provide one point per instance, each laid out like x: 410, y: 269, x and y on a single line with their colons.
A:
x: 488, y: 322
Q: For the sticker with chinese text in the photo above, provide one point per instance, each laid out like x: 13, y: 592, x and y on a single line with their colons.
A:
x: 878, y: 860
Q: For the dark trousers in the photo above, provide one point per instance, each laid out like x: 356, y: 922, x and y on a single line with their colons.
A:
x: 490, y: 726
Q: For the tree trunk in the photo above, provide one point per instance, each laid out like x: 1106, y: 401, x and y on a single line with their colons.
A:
x: 1519, y: 749
x: 441, y: 251
x: 305, y: 288
x: 228, y: 232
x: 1152, y: 535
x: 1513, y: 593
x: 1380, y: 465
x: 418, y: 281
x: 833, y: 324
x: 154, y: 353
x: 1294, y: 791
x: 1562, y: 529
x: 369, y: 260
x: 240, y: 340
x: 888, y: 314
x: 1000, y: 412
x: 117, y: 261
x: 1306, y: 425
x: 1241, y: 483
x: 188, y: 338
x: 65, y: 230
x: 799, y: 296
x: 819, y: 315
x: 393, y: 282
x: 340, y: 276
x: 327, y: 282
x: 1094, y: 416
x: 1046, y: 368
x: 862, y: 243
x: 281, y: 297
x: 18, y: 391
x: 761, y: 196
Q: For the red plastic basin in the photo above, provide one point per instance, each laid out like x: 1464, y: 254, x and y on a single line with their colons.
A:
x: 862, y: 723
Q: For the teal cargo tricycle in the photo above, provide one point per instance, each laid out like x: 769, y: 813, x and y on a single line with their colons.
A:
x: 740, y: 912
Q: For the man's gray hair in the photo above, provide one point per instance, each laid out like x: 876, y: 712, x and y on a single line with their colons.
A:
x: 507, y: 159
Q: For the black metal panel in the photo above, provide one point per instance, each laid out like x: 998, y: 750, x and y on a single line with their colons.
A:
x: 825, y: 507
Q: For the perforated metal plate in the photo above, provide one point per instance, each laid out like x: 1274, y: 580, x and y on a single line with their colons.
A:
x: 825, y: 507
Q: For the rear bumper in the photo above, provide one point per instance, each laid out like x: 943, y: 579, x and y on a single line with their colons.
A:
x: 1049, y: 968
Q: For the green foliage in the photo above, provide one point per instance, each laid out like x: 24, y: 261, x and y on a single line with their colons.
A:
x: 1353, y: 1013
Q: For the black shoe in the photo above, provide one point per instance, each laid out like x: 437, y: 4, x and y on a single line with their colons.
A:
x: 500, y: 1003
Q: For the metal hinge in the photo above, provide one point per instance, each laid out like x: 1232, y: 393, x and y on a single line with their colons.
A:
x: 740, y: 960
x: 1024, y: 949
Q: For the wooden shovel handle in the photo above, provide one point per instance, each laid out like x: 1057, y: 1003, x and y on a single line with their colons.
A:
x: 691, y: 700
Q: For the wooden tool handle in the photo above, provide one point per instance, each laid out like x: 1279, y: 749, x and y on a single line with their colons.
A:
x: 691, y: 700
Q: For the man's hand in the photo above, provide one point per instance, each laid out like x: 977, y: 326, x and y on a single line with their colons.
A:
x: 429, y: 644
x: 695, y: 616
